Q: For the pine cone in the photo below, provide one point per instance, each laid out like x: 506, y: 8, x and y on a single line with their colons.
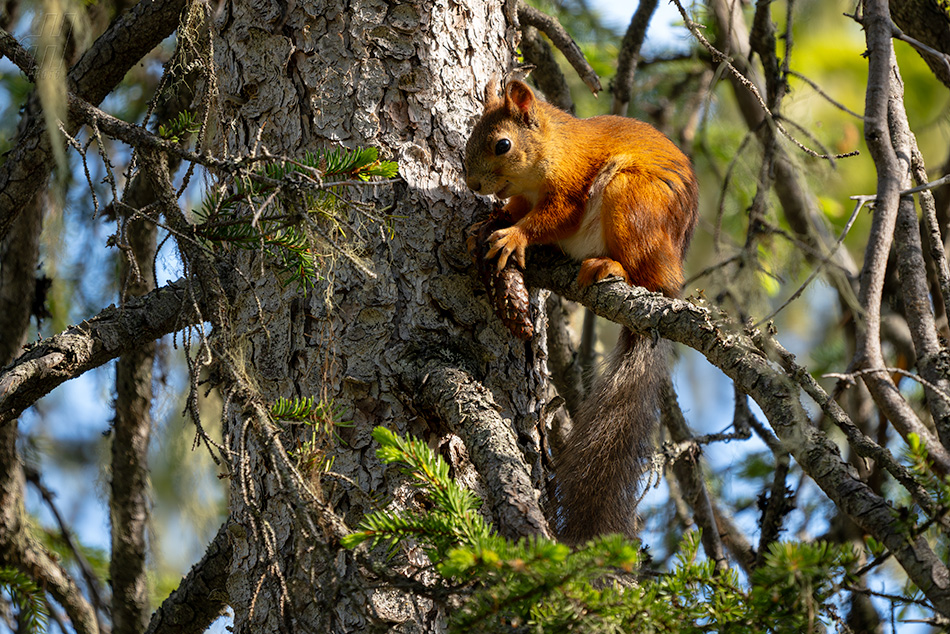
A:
x: 506, y: 288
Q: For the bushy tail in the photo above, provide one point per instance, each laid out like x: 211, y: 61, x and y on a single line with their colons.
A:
x: 599, y: 468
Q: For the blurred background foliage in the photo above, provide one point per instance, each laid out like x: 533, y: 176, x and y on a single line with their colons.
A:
x: 66, y: 436
x: 827, y: 49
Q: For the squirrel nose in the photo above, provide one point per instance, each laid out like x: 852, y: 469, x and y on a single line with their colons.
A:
x: 474, y: 184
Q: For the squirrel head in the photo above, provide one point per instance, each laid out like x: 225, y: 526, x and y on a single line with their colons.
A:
x: 502, y: 154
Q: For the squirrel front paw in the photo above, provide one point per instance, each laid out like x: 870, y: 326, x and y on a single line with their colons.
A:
x: 505, y: 289
x: 508, y: 241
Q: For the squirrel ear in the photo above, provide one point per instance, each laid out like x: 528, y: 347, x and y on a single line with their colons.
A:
x: 520, y: 101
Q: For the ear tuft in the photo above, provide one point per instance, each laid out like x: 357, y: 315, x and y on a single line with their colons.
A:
x: 492, y: 92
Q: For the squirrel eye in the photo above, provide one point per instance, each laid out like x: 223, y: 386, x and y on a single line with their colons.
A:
x: 502, y: 146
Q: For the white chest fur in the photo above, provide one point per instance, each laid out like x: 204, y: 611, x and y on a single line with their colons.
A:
x: 588, y: 241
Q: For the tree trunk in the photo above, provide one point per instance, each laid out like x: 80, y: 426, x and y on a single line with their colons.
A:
x: 399, y: 77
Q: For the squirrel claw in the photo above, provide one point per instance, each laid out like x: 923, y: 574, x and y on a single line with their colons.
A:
x: 507, y: 242
x: 471, y: 240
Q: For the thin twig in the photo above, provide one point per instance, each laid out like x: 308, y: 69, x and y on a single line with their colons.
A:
x: 828, y: 98
x: 817, y: 269
x: 865, y: 198
x: 727, y: 177
x: 712, y: 268
x: 811, y: 137
x: 720, y: 58
x: 849, y: 378
x: 920, y: 46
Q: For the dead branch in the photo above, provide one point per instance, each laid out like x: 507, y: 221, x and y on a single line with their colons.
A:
x: 127, y: 40
x: 893, y: 176
x: 90, y: 344
x: 735, y: 352
x: 468, y: 409
x: 548, y: 25
x: 629, y: 56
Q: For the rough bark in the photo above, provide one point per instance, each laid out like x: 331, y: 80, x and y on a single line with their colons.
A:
x: 467, y: 409
x: 407, y: 345
x: 400, y: 77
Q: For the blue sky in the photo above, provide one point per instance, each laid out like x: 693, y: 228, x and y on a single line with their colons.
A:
x: 665, y: 27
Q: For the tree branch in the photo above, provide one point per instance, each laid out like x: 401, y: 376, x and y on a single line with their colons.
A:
x: 468, y: 409
x: 563, y: 356
x: 937, y: 254
x: 893, y: 176
x: 89, y: 576
x: 777, y: 507
x: 202, y: 595
x: 80, y: 348
x: 19, y: 550
x: 629, y: 56
x: 131, y: 432
x: 797, y: 201
x: 734, y: 539
x: 735, y: 352
x: 530, y: 16
x: 912, y: 268
x: 21, y: 58
x: 861, y: 444
x: 547, y: 74
x: 94, y: 76
x: 929, y: 24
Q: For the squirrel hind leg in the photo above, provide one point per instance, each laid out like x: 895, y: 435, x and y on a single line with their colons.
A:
x: 596, y: 269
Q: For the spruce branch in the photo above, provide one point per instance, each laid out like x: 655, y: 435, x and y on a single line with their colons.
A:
x: 27, y: 597
x: 538, y: 584
x: 283, y: 193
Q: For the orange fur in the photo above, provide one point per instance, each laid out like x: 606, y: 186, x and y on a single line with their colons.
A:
x: 558, y: 166
x: 596, y: 269
x: 618, y: 196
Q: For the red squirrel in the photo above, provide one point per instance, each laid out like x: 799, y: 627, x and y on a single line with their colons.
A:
x: 617, y: 195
